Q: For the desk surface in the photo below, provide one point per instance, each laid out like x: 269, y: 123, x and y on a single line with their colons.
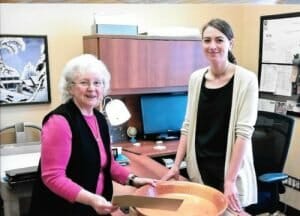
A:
x: 143, y: 166
x: 146, y: 148
x: 141, y: 163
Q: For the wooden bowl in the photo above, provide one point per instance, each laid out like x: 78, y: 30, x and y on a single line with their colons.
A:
x: 199, y: 200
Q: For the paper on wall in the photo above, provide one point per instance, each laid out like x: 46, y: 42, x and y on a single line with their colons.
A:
x: 266, y: 105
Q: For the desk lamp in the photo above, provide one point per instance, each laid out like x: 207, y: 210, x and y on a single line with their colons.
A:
x: 115, y: 111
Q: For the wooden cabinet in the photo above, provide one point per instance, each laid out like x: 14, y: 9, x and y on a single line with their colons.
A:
x: 143, y: 64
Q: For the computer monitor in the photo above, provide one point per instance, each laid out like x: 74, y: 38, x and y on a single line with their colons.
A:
x: 163, y: 115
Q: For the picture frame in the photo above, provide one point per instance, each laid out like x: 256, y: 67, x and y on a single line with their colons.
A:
x: 24, y: 70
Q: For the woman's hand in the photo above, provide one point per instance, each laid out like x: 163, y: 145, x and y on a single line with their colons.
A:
x: 139, y: 181
x: 172, y: 173
x: 101, y: 205
x: 234, y: 213
x: 231, y: 194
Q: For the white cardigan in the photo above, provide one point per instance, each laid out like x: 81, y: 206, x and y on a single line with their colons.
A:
x: 242, y: 119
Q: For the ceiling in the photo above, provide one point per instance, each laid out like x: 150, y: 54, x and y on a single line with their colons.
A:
x: 158, y: 1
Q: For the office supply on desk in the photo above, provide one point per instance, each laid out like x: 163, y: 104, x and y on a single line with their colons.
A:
x: 20, y: 175
x: 146, y: 148
x: 115, y: 29
x: 122, y: 159
x: 119, y: 157
x: 170, y: 204
x: 168, y: 162
x: 159, y: 147
x: 18, y: 161
x: 132, y: 132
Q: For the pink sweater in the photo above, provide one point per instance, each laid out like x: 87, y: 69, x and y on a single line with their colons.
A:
x: 56, y: 152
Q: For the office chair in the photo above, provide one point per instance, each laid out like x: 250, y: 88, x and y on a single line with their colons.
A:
x: 271, y: 141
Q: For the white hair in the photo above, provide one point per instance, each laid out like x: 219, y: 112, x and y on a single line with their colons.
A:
x: 81, y: 65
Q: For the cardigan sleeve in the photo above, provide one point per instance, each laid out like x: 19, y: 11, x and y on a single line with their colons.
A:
x: 193, y: 99
x: 247, y: 106
x: 186, y: 123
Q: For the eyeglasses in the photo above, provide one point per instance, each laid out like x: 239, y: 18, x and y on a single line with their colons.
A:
x: 87, y: 84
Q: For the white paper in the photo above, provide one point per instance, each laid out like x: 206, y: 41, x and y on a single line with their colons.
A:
x: 296, y: 108
x: 268, y: 77
x: 266, y: 105
x: 281, y: 40
x: 276, y: 79
x: 284, y: 80
x: 293, y: 106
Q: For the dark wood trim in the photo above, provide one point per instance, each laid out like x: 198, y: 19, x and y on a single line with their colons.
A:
x: 143, y: 37
x: 137, y: 91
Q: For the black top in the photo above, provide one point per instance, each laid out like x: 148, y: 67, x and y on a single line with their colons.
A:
x: 213, y: 121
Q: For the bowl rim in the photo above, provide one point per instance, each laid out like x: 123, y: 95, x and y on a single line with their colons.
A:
x: 188, y: 183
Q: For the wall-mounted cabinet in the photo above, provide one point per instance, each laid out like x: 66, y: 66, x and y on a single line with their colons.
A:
x: 143, y: 64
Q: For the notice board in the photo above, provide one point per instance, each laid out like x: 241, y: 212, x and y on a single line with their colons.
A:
x: 279, y: 63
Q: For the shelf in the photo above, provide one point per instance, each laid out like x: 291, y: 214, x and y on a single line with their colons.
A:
x: 143, y: 37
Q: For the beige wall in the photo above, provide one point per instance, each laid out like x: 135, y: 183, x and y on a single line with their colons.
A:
x: 65, y: 24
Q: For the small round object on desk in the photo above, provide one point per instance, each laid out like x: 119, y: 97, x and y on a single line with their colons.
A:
x: 132, y: 132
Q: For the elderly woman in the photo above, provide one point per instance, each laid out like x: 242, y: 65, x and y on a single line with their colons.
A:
x: 77, y: 168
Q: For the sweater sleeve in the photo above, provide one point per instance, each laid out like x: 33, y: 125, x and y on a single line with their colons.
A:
x: 119, y: 173
x: 193, y: 100
x: 55, y: 154
x: 248, y: 105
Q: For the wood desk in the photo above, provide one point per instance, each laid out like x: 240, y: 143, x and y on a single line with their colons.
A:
x: 143, y: 166
x: 146, y: 148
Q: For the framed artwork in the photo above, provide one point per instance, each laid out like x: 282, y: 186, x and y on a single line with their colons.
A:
x: 24, y: 70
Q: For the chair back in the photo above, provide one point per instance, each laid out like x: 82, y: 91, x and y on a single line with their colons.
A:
x: 271, y: 141
x: 21, y: 132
